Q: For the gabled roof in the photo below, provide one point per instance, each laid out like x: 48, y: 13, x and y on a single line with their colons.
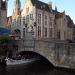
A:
x: 58, y: 15
x: 41, y: 5
x: 70, y: 22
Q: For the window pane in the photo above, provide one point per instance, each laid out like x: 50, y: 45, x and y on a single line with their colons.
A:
x: 23, y: 32
x: 39, y: 18
x: 39, y: 31
x: 27, y: 19
x: 45, y: 20
x: 45, y: 32
x: 23, y: 20
x: 31, y: 16
x: 50, y: 32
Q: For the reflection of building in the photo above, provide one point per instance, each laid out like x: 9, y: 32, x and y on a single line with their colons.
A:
x: 43, y: 20
x: 3, y: 13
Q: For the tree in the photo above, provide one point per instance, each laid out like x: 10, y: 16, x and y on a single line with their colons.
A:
x: 4, y: 44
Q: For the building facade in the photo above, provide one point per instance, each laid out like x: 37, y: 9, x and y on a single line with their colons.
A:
x: 39, y: 17
x: 64, y: 26
x: 3, y: 13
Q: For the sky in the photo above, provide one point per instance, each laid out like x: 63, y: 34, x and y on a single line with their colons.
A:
x: 62, y: 5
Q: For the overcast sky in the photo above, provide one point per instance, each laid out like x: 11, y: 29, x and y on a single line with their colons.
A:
x: 67, y: 5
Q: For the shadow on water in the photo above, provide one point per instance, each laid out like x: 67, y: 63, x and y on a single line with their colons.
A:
x: 39, y: 67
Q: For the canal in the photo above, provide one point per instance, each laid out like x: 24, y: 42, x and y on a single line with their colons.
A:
x: 39, y: 67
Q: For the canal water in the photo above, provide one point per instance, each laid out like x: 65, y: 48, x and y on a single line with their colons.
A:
x: 38, y: 67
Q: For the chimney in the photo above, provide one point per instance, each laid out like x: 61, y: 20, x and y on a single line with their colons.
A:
x: 50, y: 5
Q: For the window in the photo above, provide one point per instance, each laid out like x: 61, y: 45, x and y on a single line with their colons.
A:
x: 45, y: 20
x: 50, y: 32
x: 31, y: 16
x: 64, y: 34
x: 20, y: 20
x: 45, y: 32
x: 39, y: 31
x: 23, y: 32
x: 23, y: 20
x: 50, y: 23
x: 27, y: 19
x: 16, y: 22
x: 58, y: 35
x: 39, y: 18
x: 51, y: 18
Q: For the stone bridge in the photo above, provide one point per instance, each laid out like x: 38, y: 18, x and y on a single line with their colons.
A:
x: 59, y: 53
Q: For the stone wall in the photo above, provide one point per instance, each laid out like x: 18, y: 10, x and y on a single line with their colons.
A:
x: 60, y: 53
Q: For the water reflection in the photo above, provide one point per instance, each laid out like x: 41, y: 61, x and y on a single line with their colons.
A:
x: 34, y: 68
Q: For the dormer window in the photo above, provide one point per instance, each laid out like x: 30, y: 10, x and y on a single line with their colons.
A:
x: 43, y: 6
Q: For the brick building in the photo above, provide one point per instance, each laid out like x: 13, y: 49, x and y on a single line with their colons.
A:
x: 3, y: 13
x: 40, y: 18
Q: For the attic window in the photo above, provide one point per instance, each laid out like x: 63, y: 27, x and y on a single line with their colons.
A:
x: 43, y: 6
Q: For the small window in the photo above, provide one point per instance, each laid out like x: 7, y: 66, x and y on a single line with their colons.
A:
x: 39, y: 18
x: 23, y: 20
x: 58, y: 34
x: 45, y: 32
x: 50, y: 32
x: 39, y: 31
x: 31, y: 16
x: 45, y: 20
x: 27, y: 19
x: 23, y: 32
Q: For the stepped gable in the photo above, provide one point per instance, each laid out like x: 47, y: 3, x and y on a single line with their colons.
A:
x: 70, y: 22
x: 58, y: 15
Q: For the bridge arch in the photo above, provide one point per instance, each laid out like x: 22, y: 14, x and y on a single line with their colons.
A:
x: 32, y: 54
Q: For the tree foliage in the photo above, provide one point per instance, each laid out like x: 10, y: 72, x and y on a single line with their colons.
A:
x: 4, y: 42
x: 5, y: 39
